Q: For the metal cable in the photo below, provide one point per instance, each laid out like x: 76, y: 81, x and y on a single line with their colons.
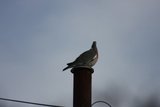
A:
x: 26, y: 102
x: 102, y: 102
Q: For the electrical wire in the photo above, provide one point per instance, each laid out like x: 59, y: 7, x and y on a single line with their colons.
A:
x: 26, y: 102
x: 101, y: 102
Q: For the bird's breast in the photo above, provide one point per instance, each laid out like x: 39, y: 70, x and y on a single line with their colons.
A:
x: 93, y: 62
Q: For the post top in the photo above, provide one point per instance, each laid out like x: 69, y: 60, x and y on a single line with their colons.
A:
x: 83, y: 68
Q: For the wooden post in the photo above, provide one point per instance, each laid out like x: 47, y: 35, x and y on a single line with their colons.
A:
x: 82, y: 86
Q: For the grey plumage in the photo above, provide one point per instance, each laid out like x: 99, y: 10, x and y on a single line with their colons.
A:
x: 86, y: 59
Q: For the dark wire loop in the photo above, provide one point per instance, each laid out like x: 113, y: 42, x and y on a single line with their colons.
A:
x: 101, y: 102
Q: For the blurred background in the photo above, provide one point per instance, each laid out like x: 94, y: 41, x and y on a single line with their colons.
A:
x: 38, y: 38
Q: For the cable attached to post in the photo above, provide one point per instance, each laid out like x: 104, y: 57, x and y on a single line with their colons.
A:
x: 101, y: 102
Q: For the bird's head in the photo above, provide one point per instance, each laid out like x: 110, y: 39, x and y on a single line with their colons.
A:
x: 94, y: 44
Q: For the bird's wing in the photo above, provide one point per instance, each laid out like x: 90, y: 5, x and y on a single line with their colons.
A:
x: 85, y: 57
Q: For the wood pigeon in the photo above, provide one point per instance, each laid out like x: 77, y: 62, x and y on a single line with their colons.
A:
x: 86, y: 59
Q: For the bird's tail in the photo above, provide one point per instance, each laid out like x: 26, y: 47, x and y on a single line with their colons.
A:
x: 70, y: 64
x: 66, y: 68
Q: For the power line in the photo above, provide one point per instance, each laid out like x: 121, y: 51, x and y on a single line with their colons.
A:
x: 26, y: 102
x: 102, y: 102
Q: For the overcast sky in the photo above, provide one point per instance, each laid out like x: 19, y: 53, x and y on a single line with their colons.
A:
x: 38, y: 38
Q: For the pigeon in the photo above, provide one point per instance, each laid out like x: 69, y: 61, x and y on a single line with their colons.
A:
x: 86, y: 59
